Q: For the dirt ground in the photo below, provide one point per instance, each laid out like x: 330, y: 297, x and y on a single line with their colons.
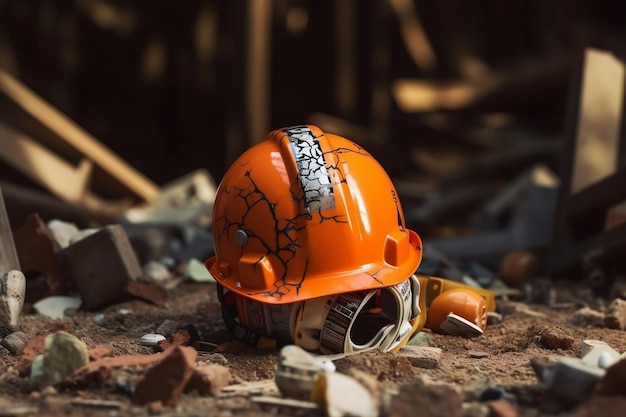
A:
x: 499, y: 359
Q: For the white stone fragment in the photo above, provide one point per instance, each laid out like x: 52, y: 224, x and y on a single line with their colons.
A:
x: 599, y: 353
x: 342, y: 396
x: 63, y: 232
x: 197, y: 271
x: 151, y: 339
x: 55, y: 306
x: 421, y: 356
x: 156, y: 271
x: 82, y: 234
x: 12, y: 293
x: 297, y: 371
x: 591, y: 344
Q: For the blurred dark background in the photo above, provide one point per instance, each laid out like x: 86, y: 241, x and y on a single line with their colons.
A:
x: 429, y: 88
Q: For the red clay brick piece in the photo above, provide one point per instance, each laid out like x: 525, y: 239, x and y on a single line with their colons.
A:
x: 36, y: 249
x: 166, y: 380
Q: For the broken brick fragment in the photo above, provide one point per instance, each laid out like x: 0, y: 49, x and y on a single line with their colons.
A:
x: 98, y: 371
x: 147, y: 291
x: 101, y: 266
x: 36, y: 249
x: 209, y: 379
x: 166, y: 380
x: 99, y: 352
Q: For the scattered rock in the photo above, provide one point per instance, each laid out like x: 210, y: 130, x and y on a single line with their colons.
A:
x: 167, y: 328
x: 369, y: 382
x: 588, y: 317
x: 151, y: 339
x: 101, y: 266
x: 421, y: 356
x: 197, y: 271
x: 554, y: 337
x: 100, y: 370
x: 156, y: 271
x: 615, y: 317
x: 571, y: 380
x: 209, y: 379
x: 15, y: 342
x: 297, y: 371
x: 598, y: 353
x: 63, y: 232
x: 63, y: 354
x: 147, y: 291
x: 98, y: 352
x: 430, y: 397
x: 340, y: 396
x: 166, y: 380
x: 420, y: 339
x: 217, y: 358
x: 56, y: 305
x: 36, y: 249
x: 477, y: 354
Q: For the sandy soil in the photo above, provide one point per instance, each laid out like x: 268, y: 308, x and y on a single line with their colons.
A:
x: 499, y: 359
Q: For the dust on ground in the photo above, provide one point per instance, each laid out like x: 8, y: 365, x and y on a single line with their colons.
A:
x: 500, y: 358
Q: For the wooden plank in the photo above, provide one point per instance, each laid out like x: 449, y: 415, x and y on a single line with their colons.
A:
x: 44, y: 167
x: 258, y: 69
x: 78, y: 138
x: 599, y: 119
x: 60, y: 178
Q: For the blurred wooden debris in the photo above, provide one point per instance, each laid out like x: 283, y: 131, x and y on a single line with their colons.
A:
x: 519, y: 218
x: 8, y: 254
x: 71, y: 134
x: 594, y: 174
x: 426, y: 95
x: 414, y: 36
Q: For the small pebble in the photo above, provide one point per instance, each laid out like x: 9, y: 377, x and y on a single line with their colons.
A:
x: 151, y: 339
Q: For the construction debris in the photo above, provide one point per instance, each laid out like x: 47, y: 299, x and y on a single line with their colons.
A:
x: 420, y: 356
x: 101, y: 265
x: 339, y: 396
x: 63, y: 354
x: 12, y: 294
x: 297, y: 371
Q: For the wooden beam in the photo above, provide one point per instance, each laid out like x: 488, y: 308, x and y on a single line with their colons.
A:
x: 78, y: 138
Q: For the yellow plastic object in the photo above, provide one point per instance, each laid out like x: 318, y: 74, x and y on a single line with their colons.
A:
x: 305, y: 214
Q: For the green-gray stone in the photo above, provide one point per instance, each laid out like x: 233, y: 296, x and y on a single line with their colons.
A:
x: 63, y: 354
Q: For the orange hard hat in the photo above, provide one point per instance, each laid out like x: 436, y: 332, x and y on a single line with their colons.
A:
x: 304, y: 214
x: 463, y: 302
